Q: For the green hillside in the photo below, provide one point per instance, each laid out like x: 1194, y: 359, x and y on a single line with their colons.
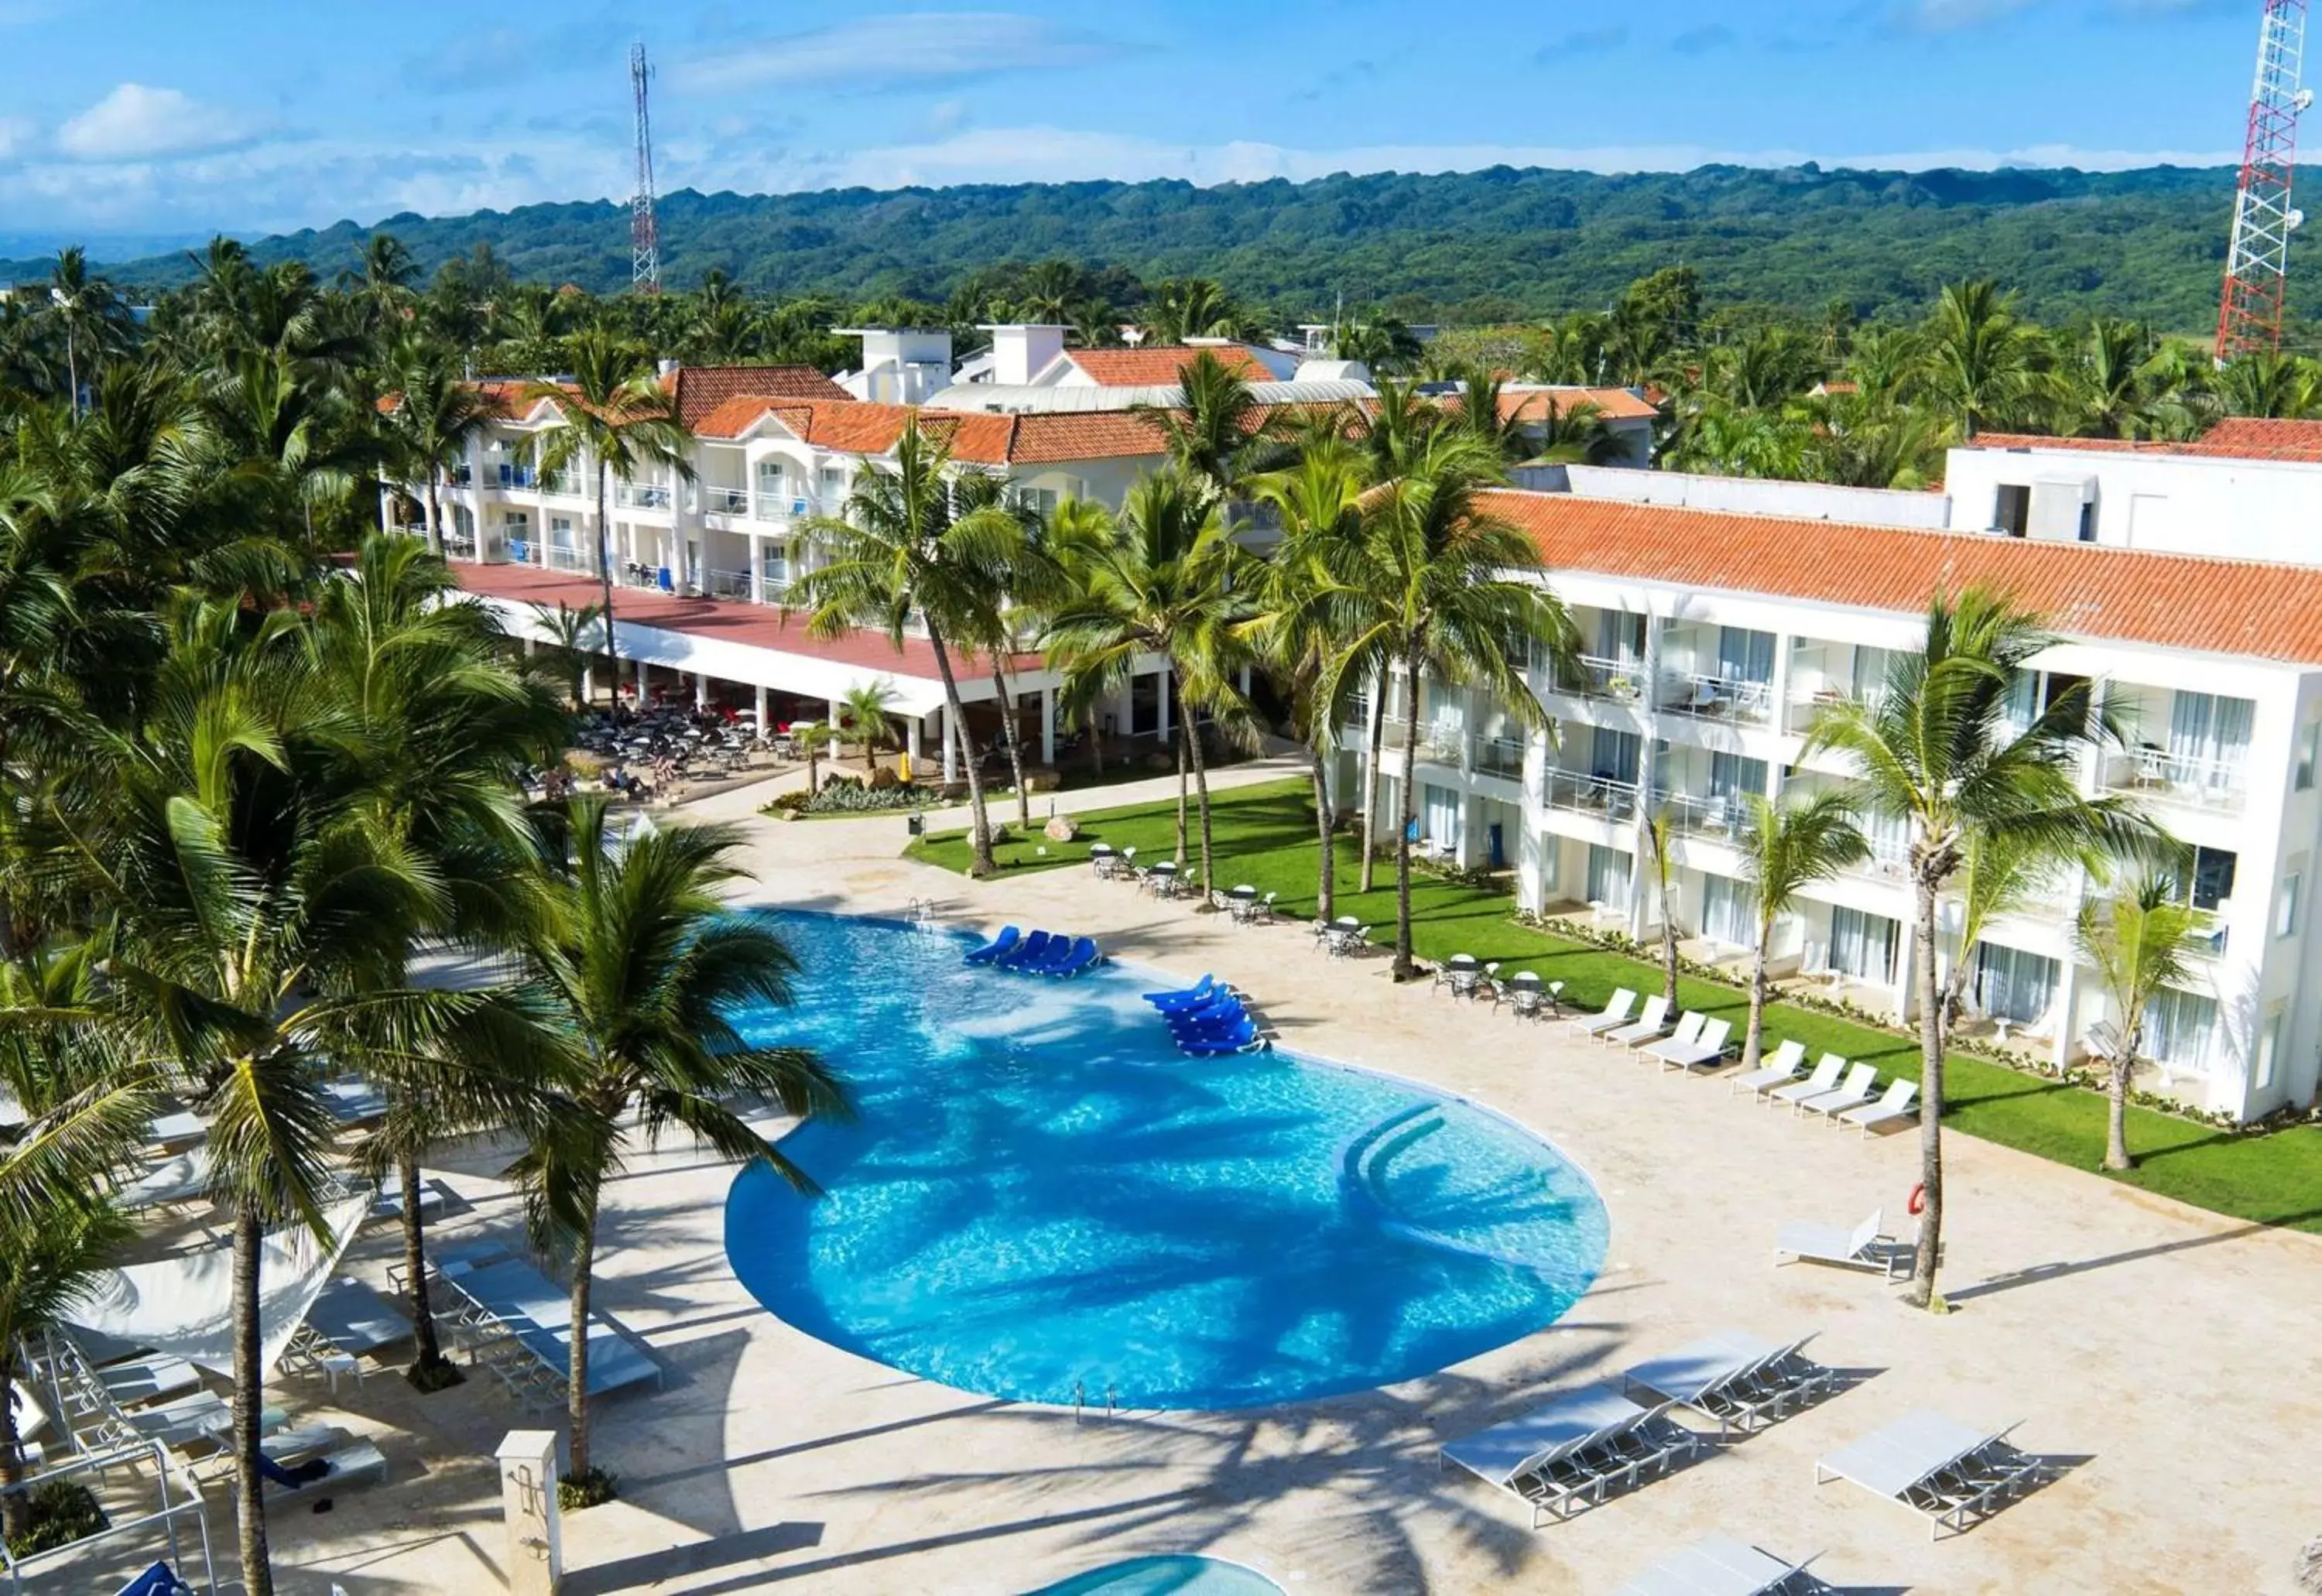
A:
x: 1470, y: 246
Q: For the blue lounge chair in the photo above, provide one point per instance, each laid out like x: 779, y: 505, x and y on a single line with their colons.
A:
x: 1242, y: 1038
x: 1226, y: 1007
x: 1061, y: 949
x: 1030, y: 950
x: 1008, y: 938
x: 1191, y: 997
x: 156, y: 1581
x: 1224, y: 1025
x: 1083, y: 955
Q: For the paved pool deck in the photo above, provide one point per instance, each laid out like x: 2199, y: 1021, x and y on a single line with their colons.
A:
x: 2169, y: 1360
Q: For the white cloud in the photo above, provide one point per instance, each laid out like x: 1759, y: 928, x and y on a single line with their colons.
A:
x: 134, y: 123
x: 15, y: 132
x: 879, y: 50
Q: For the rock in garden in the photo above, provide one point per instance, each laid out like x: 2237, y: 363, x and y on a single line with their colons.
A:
x: 1061, y: 829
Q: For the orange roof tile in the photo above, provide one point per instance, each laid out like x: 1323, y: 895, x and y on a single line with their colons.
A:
x: 2224, y: 607
x: 1615, y: 404
x: 701, y: 389
x: 1043, y: 436
x: 979, y: 437
x: 2233, y: 437
x: 1157, y: 365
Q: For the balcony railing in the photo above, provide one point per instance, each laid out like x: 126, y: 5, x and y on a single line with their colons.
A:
x: 459, y: 475
x: 644, y: 498
x: 1591, y: 676
x: 776, y: 503
x: 1718, y: 817
x: 1498, y: 756
x: 1717, y: 697
x: 1807, y: 703
x: 2206, y: 783
x: 725, y: 584
x: 565, y: 484
x: 1589, y: 795
x: 580, y: 562
x: 1441, y: 741
x: 726, y: 501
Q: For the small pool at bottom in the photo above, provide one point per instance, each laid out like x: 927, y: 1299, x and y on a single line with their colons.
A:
x: 1041, y: 1199
x: 1166, y: 1576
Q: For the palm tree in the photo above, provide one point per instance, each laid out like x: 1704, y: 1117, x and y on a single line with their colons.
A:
x: 437, y: 417
x: 902, y: 549
x: 645, y: 964
x: 1658, y: 832
x: 2137, y: 943
x: 1439, y: 602
x: 619, y: 420
x: 579, y: 633
x: 48, y: 1268
x: 1996, y: 876
x: 1785, y: 848
x: 1164, y: 584
x: 1206, y: 434
x: 89, y: 311
x: 1979, y: 359
x: 864, y: 712
x: 814, y: 742
x: 1937, y: 752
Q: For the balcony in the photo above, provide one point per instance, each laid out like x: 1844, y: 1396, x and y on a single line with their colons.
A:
x: 777, y: 503
x: 560, y: 483
x: 726, y: 501
x: 1617, y: 680
x: 1799, y: 712
x: 727, y: 584
x: 2192, y: 780
x: 641, y: 497
x: 577, y: 562
x: 1497, y: 756
x: 1717, y: 819
x: 1717, y: 697
x: 518, y: 476
x: 1600, y: 796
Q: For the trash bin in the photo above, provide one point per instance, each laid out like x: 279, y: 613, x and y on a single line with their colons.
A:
x: 917, y: 823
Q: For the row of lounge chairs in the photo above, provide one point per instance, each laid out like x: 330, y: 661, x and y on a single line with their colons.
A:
x: 1208, y: 1019
x: 1043, y: 952
x: 1696, y: 1041
x: 516, y: 1323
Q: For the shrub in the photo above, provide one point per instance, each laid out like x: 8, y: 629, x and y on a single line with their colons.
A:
x: 589, y: 1489
x: 853, y: 797
x: 793, y: 802
x: 63, y: 1511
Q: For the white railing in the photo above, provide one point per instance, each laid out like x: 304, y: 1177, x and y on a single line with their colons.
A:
x: 726, y: 501
x: 579, y: 560
x: 1441, y: 743
x: 564, y: 484
x: 2202, y: 782
x: 725, y: 584
x: 1700, y: 816
x: 1497, y: 756
x: 1589, y: 795
x: 1806, y: 703
x: 1717, y: 697
x: 1595, y: 677
x: 776, y: 504
x: 643, y: 497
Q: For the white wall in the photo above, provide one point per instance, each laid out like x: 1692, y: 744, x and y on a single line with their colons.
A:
x: 2240, y: 509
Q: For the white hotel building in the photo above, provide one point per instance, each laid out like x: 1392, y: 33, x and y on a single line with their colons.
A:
x: 1716, y: 615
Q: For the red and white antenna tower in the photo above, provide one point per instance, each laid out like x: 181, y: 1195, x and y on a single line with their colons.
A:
x: 2249, y: 316
x: 645, y: 230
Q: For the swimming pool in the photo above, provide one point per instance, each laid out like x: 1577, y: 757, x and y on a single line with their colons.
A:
x: 1042, y: 1200
x: 1171, y: 1576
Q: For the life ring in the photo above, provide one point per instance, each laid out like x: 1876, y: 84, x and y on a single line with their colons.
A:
x: 1918, y: 1203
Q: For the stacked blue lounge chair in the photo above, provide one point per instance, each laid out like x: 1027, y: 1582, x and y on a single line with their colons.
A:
x: 1042, y: 952
x: 1005, y: 942
x: 1207, y: 1019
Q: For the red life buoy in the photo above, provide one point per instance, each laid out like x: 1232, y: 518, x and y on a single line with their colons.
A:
x: 1918, y: 1204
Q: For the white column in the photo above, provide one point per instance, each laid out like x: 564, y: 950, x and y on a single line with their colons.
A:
x: 950, y: 745
x: 702, y: 690
x: 644, y: 678
x: 2064, y: 1013
x: 530, y: 645
x: 758, y: 568
x: 534, y: 1561
x: 1048, y: 725
x: 763, y: 729
x: 588, y: 684
x: 1906, y: 963
x: 911, y: 736
x: 1163, y: 679
x: 836, y: 716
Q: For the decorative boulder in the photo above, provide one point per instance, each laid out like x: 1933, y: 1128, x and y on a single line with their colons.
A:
x: 1061, y: 829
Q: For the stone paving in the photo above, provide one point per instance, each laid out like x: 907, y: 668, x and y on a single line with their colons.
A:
x: 2167, y: 1359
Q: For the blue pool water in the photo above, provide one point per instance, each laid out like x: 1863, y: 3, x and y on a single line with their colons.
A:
x: 1040, y: 1193
x: 1166, y: 1576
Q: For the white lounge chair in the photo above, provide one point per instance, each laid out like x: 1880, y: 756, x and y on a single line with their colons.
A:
x: 1779, y: 1069
x: 1895, y: 1105
x: 1863, y: 1247
x: 1687, y: 1032
x: 1707, y: 1051
x: 1859, y: 1081
x: 179, y: 1178
x: 1564, y: 1455
x: 1949, y: 1471
x: 1719, y: 1566
x: 1650, y: 1025
x: 1615, y: 1015
x: 1824, y: 1079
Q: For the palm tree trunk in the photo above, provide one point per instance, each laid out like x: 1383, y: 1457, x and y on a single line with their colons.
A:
x: 1202, y: 800
x: 1754, y: 1041
x: 1169, y: 686
x: 980, y: 828
x: 1326, y: 874
x: 1378, y: 730
x: 1095, y: 729
x: 576, y: 1386
x: 435, y: 511
x: 249, y: 1404
x: 605, y: 580
x: 16, y: 1511
x: 1015, y: 744
x: 2116, y: 1119
x: 1922, y: 1293
x: 415, y: 1267
x: 1405, y: 967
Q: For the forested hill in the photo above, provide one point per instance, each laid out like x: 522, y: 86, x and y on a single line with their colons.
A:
x: 1470, y: 246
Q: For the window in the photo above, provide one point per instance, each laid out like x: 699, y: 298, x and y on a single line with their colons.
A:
x: 2208, y: 739
x: 771, y: 481
x: 1619, y: 637
x: 2023, y: 689
x: 2269, y: 1049
x: 1729, y: 912
x: 1731, y: 776
x: 560, y: 531
x: 1040, y: 501
x: 2180, y: 1029
x: 1861, y: 945
x: 520, y: 523
x: 1743, y: 656
x: 2089, y: 521
x: 2310, y: 744
x: 1613, y: 755
x: 2285, y: 913
x: 2012, y: 985
x: 832, y: 484
x: 1869, y: 683
x: 2012, y: 512
x: 1440, y: 814
x: 1608, y: 876
x: 2212, y: 878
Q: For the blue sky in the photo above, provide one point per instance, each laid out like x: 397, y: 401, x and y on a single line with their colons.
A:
x: 161, y: 119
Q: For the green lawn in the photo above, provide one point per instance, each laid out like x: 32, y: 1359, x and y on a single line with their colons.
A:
x: 1264, y: 835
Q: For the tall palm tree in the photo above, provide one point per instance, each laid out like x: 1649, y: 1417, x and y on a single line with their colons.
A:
x: 437, y: 416
x: 579, y: 633
x: 866, y: 714
x: 1164, y: 585
x: 1980, y: 360
x: 1937, y: 751
x: 902, y: 550
x: 48, y: 1268
x: 1207, y: 434
x: 646, y: 965
x: 90, y: 313
x: 1658, y: 831
x: 1996, y: 876
x: 2137, y: 943
x: 1785, y: 848
x: 1440, y: 603
x: 618, y: 419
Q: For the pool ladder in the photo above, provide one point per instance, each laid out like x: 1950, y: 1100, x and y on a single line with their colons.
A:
x: 1080, y: 1401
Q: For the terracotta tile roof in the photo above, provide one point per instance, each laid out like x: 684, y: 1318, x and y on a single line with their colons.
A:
x: 1044, y: 436
x: 701, y: 389
x: 979, y: 437
x: 2222, y: 606
x: 1615, y: 404
x: 1157, y: 365
x: 2235, y: 437
x: 505, y: 394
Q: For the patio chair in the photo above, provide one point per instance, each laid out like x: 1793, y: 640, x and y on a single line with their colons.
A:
x: 1889, y: 1109
x: 1191, y: 997
x: 1707, y: 1050
x: 1031, y: 950
x: 1739, y: 1380
x: 1612, y: 1017
x: 1264, y: 911
x: 1859, y: 1082
x: 1345, y: 943
x: 1952, y: 1474
x: 1082, y: 957
x: 1242, y: 1038
x: 1779, y: 1069
x: 1002, y: 943
x: 1689, y: 1027
x: 1453, y: 970
x: 1649, y: 1027
x: 1721, y: 1566
x: 1563, y: 1456
x: 1862, y: 1247
x: 1824, y: 1079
